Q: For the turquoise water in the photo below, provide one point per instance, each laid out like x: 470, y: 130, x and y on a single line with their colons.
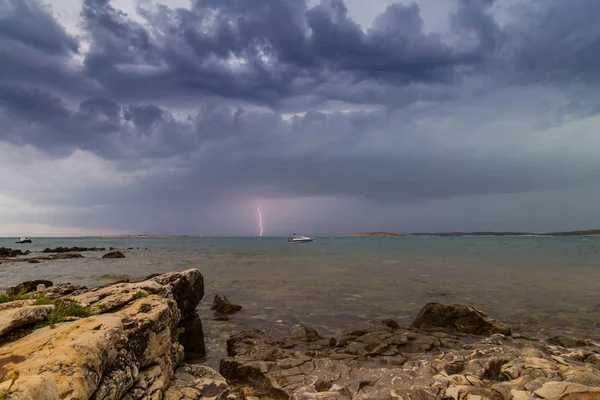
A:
x: 535, y: 284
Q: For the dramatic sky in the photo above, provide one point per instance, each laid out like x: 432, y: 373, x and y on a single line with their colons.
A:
x: 332, y: 116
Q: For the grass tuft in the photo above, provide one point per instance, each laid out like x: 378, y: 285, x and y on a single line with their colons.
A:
x: 64, y: 308
x: 139, y: 295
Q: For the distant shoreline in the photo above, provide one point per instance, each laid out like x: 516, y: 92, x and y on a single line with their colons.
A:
x: 525, y: 234
x: 138, y: 236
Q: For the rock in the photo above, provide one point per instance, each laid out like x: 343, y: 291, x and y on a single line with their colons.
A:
x: 197, y: 382
x: 568, y: 341
x: 27, y: 287
x: 187, y: 289
x: 192, y: 337
x: 222, y: 306
x: 128, y: 350
x: 8, y: 252
x: 388, y: 362
x: 114, y: 254
x: 33, y: 261
x: 63, y: 289
x: 14, y: 318
x: 72, y: 249
x: 457, y: 318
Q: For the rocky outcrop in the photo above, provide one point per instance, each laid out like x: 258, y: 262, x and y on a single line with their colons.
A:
x: 127, y: 349
x: 222, y: 306
x: 8, y: 252
x: 72, y: 249
x: 114, y: 254
x: 386, y: 362
x: 28, y: 286
x: 456, y: 318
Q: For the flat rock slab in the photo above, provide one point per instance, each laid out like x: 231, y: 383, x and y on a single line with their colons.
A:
x: 387, y: 362
x: 197, y: 382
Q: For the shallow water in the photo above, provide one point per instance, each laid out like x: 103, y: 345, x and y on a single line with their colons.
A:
x: 335, y: 284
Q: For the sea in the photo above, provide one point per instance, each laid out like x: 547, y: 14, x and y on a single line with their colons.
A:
x: 537, y: 285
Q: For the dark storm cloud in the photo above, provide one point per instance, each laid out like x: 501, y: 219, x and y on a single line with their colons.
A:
x: 206, y: 92
x: 264, y: 51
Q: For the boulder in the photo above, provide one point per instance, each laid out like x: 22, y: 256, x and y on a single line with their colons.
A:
x: 222, y: 306
x: 458, y: 318
x: 27, y: 287
x: 114, y: 254
x: 187, y: 289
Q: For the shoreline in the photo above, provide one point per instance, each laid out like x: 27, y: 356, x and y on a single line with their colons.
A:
x: 139, y: 338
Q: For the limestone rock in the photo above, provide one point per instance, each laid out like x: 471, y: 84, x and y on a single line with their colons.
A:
x: 128, y: 350
x: 187, y: 288
x: 385, y: 362
x: 14, y: 318
x: 222, y: 306
x: 458, y: 318
x: 27, y: 287
x: 114, y: 254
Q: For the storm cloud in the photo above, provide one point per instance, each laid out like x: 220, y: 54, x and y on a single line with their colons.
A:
x: 184, y: 120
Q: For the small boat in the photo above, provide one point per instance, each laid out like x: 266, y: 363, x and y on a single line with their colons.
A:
x: 23, y: 240
x: 299, y: 239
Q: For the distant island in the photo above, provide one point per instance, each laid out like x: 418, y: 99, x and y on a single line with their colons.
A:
x: 595, y: 232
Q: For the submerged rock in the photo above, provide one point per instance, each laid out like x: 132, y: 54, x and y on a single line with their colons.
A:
x: 114, y: 254
x: 458, y: 318
x: 222, y: 306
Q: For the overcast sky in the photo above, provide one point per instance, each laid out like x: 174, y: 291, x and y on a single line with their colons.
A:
x: 332, y: 116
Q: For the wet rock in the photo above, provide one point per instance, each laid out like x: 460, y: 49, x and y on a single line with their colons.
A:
x: 14, y: 318
x: 72, y: 249
x: 568, y: 341
x: 33, y: 261
x: 27, y: 287
x: 458, y: 318
x: 114, y: 254
x: 222, y: 306
x: 192, y: 337
x: 8, y: 252
x: 384, y: 362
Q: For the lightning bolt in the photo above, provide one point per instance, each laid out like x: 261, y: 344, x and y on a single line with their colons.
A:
x: 260, y: 222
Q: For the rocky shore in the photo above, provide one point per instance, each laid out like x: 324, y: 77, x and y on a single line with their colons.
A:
x: 144, y: 340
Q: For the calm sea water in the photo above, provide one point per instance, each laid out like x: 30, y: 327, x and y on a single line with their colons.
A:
x: 535, y: 284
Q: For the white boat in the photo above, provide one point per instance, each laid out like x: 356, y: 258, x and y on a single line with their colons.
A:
x: 299, y: 239
x: 23, y: 240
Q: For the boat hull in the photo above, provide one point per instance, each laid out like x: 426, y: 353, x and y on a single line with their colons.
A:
x: 300, y: 241
x: 23, y: 241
